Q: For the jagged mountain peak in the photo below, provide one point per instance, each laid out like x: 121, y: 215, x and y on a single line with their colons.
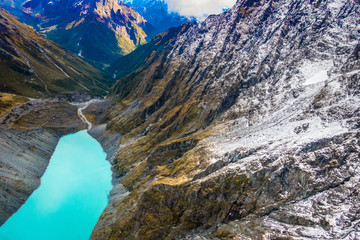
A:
x: 118, y: 12
x: 126, y: 26
x: 238, y: 49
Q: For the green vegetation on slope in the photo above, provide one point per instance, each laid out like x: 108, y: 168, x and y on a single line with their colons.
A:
x: 99, y: 31
x: 33, y: 66
x: 129, y: 63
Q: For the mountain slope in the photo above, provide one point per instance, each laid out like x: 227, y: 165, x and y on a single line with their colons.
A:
x: 31, y: 65
x: 99, y: 31
x: 245, y: 126
x: 129, y: 63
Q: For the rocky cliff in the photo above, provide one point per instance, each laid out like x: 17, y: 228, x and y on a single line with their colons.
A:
x: 29, y: 133
x: 244, y: 126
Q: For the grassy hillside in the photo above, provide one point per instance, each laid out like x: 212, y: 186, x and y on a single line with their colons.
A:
x: 8, y: 101
x: 33, y: 66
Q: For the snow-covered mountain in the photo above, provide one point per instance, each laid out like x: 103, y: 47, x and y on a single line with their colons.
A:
x: 244, y: 126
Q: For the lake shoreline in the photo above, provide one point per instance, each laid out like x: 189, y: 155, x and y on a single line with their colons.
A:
x: 80, y: 173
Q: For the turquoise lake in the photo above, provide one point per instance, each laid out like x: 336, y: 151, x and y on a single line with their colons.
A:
x: 72, y: 195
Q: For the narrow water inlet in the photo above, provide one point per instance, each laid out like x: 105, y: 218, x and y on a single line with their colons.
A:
x: 73, y: 193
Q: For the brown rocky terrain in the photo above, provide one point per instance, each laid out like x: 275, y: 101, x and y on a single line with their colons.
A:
x: 244, y: 126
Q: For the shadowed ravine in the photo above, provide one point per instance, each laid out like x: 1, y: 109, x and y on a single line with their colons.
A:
x: 72, y: 195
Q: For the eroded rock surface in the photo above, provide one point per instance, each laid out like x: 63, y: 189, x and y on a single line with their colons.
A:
x: 244, y: 126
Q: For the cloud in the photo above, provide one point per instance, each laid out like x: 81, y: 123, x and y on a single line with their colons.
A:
x: 198, y: 8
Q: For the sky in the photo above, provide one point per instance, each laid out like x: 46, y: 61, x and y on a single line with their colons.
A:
x: 199, y: 8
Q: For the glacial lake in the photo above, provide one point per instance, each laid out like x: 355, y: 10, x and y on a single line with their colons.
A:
x: 72, y: 195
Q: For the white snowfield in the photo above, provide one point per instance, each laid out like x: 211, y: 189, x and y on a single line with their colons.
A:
x: 304, y: 108
x: 315, y: 72
x: 283, y: 131
x: 318, y: 72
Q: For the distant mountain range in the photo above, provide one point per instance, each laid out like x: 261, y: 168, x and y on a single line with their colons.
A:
x: 156, y: 12
x: 98, y: 31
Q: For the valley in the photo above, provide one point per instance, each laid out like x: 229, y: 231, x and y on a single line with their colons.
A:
x: 33, y: 66
x: 241, y: 126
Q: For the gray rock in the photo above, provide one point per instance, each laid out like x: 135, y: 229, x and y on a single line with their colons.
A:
x: 28, y: 137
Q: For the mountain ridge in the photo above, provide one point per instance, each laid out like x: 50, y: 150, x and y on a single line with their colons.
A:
x: 122, y: 26
x: 99, y: 31
x: 234, y: 125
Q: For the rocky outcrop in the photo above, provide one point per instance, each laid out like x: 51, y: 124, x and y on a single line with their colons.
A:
x: 29, y: 134
x: 244, y: 126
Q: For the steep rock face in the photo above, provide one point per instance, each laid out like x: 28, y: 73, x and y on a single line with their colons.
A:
x: 99, y: 31
x: 33, y: 66
x: 29, y: 133
x: 245, y: 126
